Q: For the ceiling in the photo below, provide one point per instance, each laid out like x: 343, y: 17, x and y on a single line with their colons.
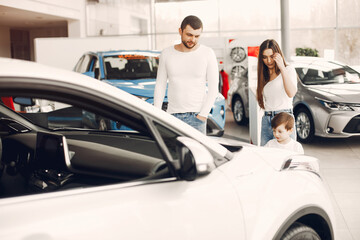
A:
x: 15, y: 18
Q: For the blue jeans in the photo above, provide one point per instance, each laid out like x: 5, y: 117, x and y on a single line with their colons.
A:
x: 191, y: 119
x: 266, y: 129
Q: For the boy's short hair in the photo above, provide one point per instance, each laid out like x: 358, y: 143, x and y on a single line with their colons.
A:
x: 283, y: 118
x: 193, y: 21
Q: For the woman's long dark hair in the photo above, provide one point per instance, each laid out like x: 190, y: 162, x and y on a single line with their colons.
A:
x: 263, y: 72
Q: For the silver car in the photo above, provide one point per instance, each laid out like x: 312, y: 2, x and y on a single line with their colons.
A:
x: 238, y: 99
x: 327, y: 103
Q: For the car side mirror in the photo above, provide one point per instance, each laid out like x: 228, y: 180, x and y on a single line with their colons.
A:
x: 23, y: 101
x: 195, y: 159
x: 90, y: 74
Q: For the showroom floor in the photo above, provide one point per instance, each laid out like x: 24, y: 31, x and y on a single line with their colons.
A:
x: 340, y: 168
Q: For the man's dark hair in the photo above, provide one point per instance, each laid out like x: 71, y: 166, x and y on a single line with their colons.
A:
x: 193, y: 21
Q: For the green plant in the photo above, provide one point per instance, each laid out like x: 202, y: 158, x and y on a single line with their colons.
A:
x: 307, y: 52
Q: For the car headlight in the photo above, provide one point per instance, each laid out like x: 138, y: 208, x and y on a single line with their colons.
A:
x: 336, y: 106
x: 302, y: 162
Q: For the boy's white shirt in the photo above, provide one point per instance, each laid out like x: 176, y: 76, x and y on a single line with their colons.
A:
x: 291, y: 145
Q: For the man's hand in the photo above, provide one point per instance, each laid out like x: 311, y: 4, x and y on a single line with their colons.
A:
x: 201, y: 118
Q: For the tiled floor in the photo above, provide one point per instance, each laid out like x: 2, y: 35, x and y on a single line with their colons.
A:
x: 340, y: 168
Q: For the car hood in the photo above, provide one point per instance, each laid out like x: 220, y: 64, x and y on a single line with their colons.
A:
x: 273, y: 157
x: 347, y: 93
x: 140, y: 87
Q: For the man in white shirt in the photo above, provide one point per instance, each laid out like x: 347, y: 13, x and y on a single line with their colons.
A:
x: 191, y: 72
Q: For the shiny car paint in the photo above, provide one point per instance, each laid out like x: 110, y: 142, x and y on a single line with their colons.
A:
x: 331, y: 107
x: 249, y: 193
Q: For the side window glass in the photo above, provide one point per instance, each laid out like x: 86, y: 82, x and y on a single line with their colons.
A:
x: 55, y: 115
x: 96, y: 68
x: 78, y: 64
x: 311, y: 77
x: 75, y: 154
x: 169, y: 138
x: 84, y: 66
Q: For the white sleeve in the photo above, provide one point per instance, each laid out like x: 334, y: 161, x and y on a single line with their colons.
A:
x: 212, y: 75
x: 267, y: 144
x: 161, y: 82
x: 292, y: 74
x: 299, y: 148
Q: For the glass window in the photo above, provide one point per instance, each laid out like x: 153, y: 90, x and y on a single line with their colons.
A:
x: 84, y: 64
x: 312, y: 14
x: 249, y: 15
x: 76, y: 147
x: 348, y: 46
x: 348, y: 13
x: 170, y: 14
x: 131, y: 66
x: 319, y: 39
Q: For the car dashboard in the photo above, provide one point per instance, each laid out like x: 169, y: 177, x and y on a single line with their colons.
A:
x: 35, y: 162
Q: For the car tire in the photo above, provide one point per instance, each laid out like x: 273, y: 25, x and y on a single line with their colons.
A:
x: 300, y: 231
x: 304, y: 125
x: 238, y: 110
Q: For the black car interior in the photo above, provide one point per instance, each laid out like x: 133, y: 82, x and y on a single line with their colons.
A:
x: 42, y: 160
x: 133, y: 69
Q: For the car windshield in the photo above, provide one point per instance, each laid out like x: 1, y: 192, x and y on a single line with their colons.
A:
x: 319, y: 75
x: 130, y: 66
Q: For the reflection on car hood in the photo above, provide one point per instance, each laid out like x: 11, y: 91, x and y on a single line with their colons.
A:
x: 348, y: 93
x: 140, y: 87
x: 273, y: 157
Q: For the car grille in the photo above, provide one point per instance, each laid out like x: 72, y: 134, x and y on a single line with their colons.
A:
x: 353, y: 126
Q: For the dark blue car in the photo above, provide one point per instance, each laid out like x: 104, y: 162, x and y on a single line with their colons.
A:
x: 134, y: 71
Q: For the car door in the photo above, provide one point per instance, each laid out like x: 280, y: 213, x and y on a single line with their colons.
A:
x: 203, y: 209
x: 160, y: 208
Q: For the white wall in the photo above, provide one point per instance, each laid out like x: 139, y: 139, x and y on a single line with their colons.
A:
x: 65, y: 52
x: 74, y: 12
x: 5, y: 42
x: 113, y: 18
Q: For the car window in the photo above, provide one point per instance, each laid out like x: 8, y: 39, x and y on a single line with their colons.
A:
x: 83, y: 65
x: 54, y: 115
x: 130, y: 66
x: 169, y: 138
x: 77, y: 147
x: 321, y: 76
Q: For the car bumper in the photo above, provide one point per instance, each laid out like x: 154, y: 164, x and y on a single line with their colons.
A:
x: 341, y: 124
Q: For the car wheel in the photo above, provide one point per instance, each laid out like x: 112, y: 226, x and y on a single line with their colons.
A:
x: 238, y: 111
x: 304, y: 125
x: 300, y: 231
x: 104, y: 124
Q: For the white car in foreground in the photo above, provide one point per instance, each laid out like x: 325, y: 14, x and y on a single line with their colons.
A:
x: 151, y: 177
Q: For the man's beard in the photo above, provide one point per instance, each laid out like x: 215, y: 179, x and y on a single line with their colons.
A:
x: 187, y: 46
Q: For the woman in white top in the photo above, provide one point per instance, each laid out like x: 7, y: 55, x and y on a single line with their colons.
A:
x: 276, y: 86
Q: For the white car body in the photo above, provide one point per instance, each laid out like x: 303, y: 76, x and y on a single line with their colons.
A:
x: 250, y: 194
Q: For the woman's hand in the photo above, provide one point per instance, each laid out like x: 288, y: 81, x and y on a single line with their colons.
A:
x: 279, y: 61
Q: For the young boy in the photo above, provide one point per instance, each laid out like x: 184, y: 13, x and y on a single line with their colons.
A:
x: 283, y: 125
